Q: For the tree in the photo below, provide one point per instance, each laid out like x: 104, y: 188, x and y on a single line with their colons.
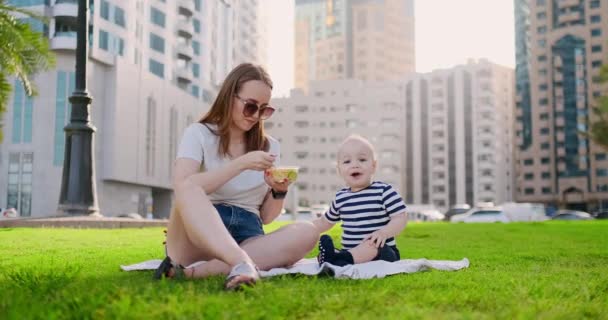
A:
x: 598, y: 131
x: 23, y: 53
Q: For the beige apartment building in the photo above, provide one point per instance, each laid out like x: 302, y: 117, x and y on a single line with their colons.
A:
x: 311, y: 126
x: 361, y: 39
x: 560, y: 47
x: 442, y: 138
x: 458, y: 135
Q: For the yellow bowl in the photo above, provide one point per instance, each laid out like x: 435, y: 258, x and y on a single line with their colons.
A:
x: 281, y: 173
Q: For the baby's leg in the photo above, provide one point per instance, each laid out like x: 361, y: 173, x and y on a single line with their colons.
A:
x: 364, y: 252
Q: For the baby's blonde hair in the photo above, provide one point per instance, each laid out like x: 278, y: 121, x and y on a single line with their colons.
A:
x: 359, y: 138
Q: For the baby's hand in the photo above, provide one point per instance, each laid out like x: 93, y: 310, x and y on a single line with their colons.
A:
x: 378, y: 238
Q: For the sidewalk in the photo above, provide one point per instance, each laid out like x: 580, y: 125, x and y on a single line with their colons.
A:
x: 81, y: 222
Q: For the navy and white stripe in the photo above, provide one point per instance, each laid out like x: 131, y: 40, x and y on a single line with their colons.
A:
x: 364, y: 212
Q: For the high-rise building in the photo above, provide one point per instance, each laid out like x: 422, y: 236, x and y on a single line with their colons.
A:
x: 560, y: 46
x: 154, y: 67
x: 311, y: 126
x: 458, y: 135
x: 361, y: 39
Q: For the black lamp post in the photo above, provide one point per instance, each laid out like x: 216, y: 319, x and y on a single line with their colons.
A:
x: 78, y: 189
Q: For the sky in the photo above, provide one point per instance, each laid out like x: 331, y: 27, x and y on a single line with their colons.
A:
x: 448, y: 33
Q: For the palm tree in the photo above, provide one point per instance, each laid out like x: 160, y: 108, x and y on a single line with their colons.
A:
x: 23, y: 53
x: 598, y: 131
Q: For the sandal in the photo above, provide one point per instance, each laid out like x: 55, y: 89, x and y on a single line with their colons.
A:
x: 169, y: 269
x: 244, y: 273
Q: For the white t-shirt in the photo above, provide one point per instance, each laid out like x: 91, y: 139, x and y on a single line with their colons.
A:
x: 247, y: 190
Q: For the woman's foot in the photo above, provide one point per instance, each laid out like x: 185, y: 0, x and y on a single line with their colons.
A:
x: 242, y: 274
x: 326, y: 249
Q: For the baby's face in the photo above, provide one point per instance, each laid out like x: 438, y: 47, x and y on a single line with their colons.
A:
x: 356, y: 164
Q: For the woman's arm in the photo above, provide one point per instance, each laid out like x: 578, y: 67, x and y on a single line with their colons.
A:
x: 271, y: 208
x: 212, y: 180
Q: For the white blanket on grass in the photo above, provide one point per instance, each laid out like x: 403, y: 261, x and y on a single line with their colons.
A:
x: 367, y: 270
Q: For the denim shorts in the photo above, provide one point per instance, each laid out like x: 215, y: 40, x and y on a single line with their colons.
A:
x: 241, y: 224
x: 388, y: 253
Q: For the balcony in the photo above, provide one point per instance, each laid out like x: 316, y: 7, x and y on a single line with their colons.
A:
x: 185, y: 7
x: 185, y: 52
x: 185, y: 28
x: 571, y: 16
x: 559, y: 121
x: 65, y: 8
x: 568, y: 3
x: 183, y: 75
x: 64, y: 41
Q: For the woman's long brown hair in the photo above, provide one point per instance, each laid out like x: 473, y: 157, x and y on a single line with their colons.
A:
x: 220, y: 113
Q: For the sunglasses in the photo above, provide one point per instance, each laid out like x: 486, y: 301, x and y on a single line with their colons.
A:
x: 250, y: 108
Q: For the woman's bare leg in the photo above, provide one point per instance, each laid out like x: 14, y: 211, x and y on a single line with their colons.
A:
x: 197, y: 232
x: 280, y: 248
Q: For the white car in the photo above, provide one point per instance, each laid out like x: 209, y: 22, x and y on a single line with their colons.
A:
x: 481, y: 215
x: 8, y: 213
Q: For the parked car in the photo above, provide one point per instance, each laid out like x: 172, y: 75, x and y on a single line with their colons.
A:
x: 494, y: 214
x: 9, y: 213
x: 601, y: 215
x: 524, y: 211
x: 319, y: 210
x: 423, y: 212
x: 565, y: 214
x: 456, y: 209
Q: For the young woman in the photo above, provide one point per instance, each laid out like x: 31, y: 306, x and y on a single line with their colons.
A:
x: 224, y: 193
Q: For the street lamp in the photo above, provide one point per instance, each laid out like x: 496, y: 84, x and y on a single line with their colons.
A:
x: 78, y: 190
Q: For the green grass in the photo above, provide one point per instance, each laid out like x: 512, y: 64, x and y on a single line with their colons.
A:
x: 538, y: 270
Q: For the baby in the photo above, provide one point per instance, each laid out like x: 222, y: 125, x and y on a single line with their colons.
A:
x: 372, y: 212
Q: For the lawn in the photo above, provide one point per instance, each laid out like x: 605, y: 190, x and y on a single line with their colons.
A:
x: 537, y: 270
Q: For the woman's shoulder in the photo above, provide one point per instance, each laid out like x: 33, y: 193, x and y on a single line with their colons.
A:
x: 273, y: 143
x: 204, y: 129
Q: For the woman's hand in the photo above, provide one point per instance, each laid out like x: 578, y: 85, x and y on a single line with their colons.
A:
x: 280, y: 186
x: 256, y: 160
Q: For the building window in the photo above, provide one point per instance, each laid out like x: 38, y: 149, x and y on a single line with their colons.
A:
x: 541, y: 15
x: 65, y: 87
x: 596, y: 32
x: 543, y: 87
x: 596, y: 19
x: 545, y: 146
x: 119, y: 17
x: 157, y: 43
x: 196, y: 70
x: 103, y: 40
x: 594, y: 4
x: 528, y: 162
x: 197, y: 25
x: 19, y: 191
x: 600, y: 156
x: 545, y: 160
x: 157, y: 68
x: 596, y: 48
x: 23, y: 109
x: 150, y: 136
x: 197, y: 5
x: 544, y: 131
x: 542, y: 30
x: 601, y: 172
x: 543, y: 101
x: 542, y: 58
x: 596, y: 63
x: 529, y: 176
x: 104, y: 10
x: 529, y: 190
x: 540, y: 2
x: 195, y: 91
x: 196, y: 47
x: 546, y: 175
x: 546, y: 190
x: 172, y: 139
x: 157, y: 17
